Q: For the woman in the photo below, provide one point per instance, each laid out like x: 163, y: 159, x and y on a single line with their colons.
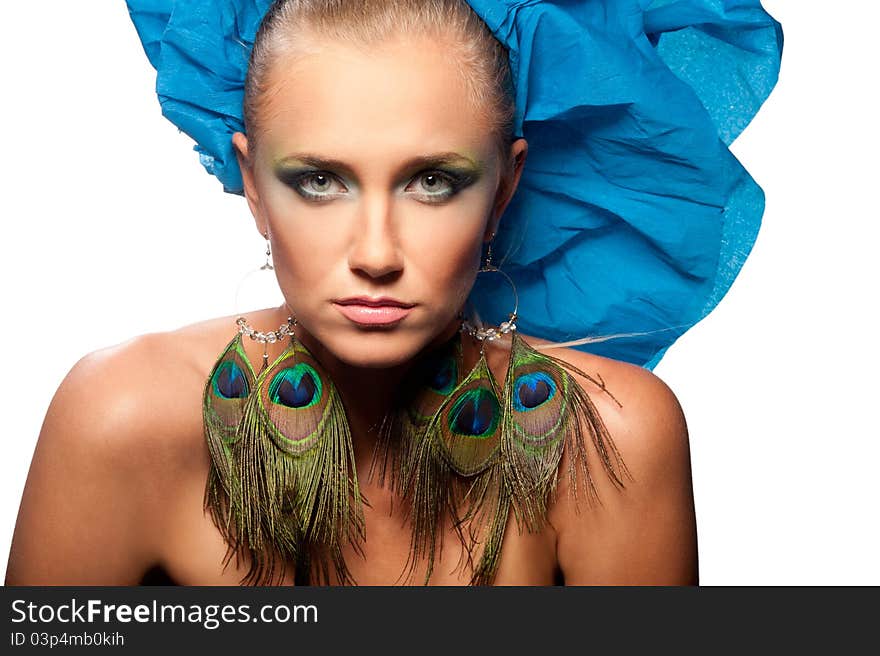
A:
x: 381, y: 149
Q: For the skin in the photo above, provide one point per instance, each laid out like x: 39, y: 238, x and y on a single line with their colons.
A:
x: 115, y: 487
x: 377, y: 229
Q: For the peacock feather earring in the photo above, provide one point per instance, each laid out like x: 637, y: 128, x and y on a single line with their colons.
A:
x: 283, y: 486
x: 433, y: 377
x: 453, y: 471
x: 487, y: 450
x: 227, y: 391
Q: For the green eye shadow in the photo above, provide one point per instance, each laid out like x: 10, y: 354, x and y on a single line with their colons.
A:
x: 458, y: 170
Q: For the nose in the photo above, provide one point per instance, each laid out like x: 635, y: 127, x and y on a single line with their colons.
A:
x: 375, y: 250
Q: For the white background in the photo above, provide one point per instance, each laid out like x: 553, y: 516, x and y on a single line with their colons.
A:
x: 111, y: 229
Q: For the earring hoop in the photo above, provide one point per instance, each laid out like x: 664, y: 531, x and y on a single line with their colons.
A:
x: 257, y: 288
x: 491, y: 333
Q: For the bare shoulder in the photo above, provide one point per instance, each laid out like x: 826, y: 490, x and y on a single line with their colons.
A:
x: 645, y: 531
x: 141, y: 398
x: 138, y: 392
x: 123, y: 428
x: 639, y: 409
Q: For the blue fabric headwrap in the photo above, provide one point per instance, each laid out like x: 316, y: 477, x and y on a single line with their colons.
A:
x: 632, y: 215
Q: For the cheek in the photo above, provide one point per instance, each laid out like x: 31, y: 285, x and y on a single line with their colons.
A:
x: 444, y: 251
x: 305, y: 251
x: 446, y: 261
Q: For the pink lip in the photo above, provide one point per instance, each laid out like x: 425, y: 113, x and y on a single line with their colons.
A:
x: 373, y: 302
x: 367, y: 311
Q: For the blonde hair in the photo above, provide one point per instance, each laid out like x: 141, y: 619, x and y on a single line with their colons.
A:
x: 481, y: 58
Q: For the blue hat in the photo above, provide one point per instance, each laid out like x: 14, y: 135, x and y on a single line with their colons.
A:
x: 632, y: 216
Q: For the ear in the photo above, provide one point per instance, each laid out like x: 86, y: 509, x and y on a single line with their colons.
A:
x: 511, y: 172
x: 242, y: 153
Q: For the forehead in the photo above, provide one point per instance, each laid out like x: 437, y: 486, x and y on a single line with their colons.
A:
x: 402, y: 95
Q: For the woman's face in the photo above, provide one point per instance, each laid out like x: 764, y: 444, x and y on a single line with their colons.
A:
x: 376, y: 177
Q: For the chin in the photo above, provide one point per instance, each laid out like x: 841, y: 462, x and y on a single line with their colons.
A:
x: 375, y: 349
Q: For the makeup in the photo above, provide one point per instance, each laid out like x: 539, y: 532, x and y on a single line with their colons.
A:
x: 429, y: 179
x: 367, y: 315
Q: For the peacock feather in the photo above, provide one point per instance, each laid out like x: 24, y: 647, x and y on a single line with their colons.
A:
x: 548, y: 412
x: 291, y: 485
x: 484, y: 453
x: 283, y: 485
x: 455, y: 474
x: 225, y: 396
x: 434, y: 376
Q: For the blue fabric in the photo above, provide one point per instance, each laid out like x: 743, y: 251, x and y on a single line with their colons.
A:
x: 632, y: 214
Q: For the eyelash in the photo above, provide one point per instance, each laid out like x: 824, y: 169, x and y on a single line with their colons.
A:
x: 299, y: 180
x: 455, y: 183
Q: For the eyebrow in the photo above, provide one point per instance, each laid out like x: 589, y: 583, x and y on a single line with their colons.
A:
x: 422, y: 161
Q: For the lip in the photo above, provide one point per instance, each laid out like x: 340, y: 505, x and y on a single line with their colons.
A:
x: 380, y: 311
x: 379, y: 301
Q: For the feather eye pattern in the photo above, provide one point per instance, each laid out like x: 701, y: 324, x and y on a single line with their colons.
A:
x: 313, y: 463
x: 538, y: 415
x: 432, y: 380
x: 293, y: 490
x: 225, y: 396
x: 467, y: 427
x: 455, y: 471
x: 485, y: 453
x: 548, y: 412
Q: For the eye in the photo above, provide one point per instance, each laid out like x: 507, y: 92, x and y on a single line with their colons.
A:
x: 434, y: 182
x: 318, y: 182
x: 318, y: 185
x: 433, y: 186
